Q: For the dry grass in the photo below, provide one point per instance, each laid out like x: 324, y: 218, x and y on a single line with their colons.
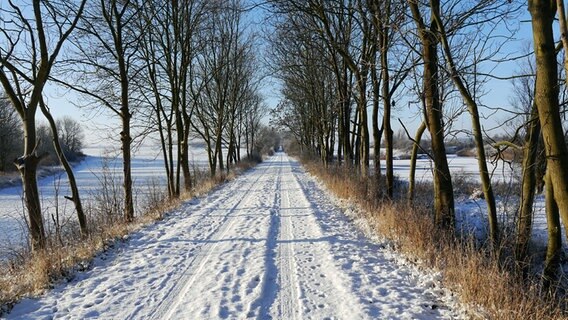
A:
x: 30, y: 274
x: 492, y: 291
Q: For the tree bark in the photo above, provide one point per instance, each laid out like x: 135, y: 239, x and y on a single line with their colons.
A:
x: 524, y: 226
x: 127, y: 166
x: 546, y: 98
x: 554, y: 245
x: 70, y: 175
x: 413, y: 158
x: 377, y: 133
x: 27, y: 166
x: 383, y: 39
x: 443, y: 190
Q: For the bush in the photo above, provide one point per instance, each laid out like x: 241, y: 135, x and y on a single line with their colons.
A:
x: 467, y: 152
x: 255, y: 156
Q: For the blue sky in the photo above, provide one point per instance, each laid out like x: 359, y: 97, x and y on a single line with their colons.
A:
x: 498, y: 95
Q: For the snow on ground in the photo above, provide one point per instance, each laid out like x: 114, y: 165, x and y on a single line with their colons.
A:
x: 463, y: 167
x: 147, y: 168
x: 471, y: 213
x: 268, y: 245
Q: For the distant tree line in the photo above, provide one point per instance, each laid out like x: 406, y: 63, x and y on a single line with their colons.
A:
x: 70, y: 133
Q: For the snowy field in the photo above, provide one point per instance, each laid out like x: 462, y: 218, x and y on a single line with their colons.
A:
x: 147, y: 168
x: 471, y: 212
x: 268, y: 245
x: 461, y: 167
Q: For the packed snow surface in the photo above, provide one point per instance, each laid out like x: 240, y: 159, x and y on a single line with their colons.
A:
x: 268, y: 245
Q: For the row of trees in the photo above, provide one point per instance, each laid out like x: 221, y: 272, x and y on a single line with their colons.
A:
x: 338, y: 59
x: 175, y: 70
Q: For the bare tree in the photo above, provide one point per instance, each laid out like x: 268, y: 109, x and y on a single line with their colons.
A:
x: 546, y: 99
x: 493, y: 12
x: 547, y: 102
x: 30, y: 44
x: 71, y: 135
x: 387, y: 16
x: 106, y: 50
x: 524, y: 102
x: 309, y: 108
x: 75, y: 197
x: 223, y: 77
x: 443, y: 190
x: 251, y: 124
x: 171, y: 40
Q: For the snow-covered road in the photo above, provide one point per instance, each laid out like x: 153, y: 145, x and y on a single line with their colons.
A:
x: 268, y: 245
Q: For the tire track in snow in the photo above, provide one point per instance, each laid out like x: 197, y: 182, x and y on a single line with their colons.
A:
x: 324, y: 288
x: 174, y: 297
x: 198, y: 220
x: 289, y: 302
x: 260, y: 307
x: 236, y: 274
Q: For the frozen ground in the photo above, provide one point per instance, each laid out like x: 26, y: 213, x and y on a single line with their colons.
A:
x: 268, y: 245
x: 462, y: 167
x: 471, y: 213
x: 147, y: 168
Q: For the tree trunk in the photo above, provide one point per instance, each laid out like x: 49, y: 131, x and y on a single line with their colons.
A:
x: 27, y: 166
x: 185, y: 160
x: 171, y: 175
x: 356, y: 140
x: 346, y: 130
x: 546, y: 98
x: 376, y: 130
x: 554, y: 246
x: 166, y: 154
x: 363, y: 127
x: 127, y: 166
x: 443, y: 189
x: 70, y: 175
x: 125, y: 115
x: 219, y: 152
x: 524, y: 226
x: 476, y: 127
x: 413, y: 157
x: 383, y: 36
x: 387, y: 129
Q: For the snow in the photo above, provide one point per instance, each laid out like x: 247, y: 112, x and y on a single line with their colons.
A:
x: 471, y: 213
x: 147, y: 169
x: 268, y: 245
x: 459, y: 166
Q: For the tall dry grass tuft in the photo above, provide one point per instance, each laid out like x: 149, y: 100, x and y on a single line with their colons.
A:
x: 493, y: 290
x: 30, y: 274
